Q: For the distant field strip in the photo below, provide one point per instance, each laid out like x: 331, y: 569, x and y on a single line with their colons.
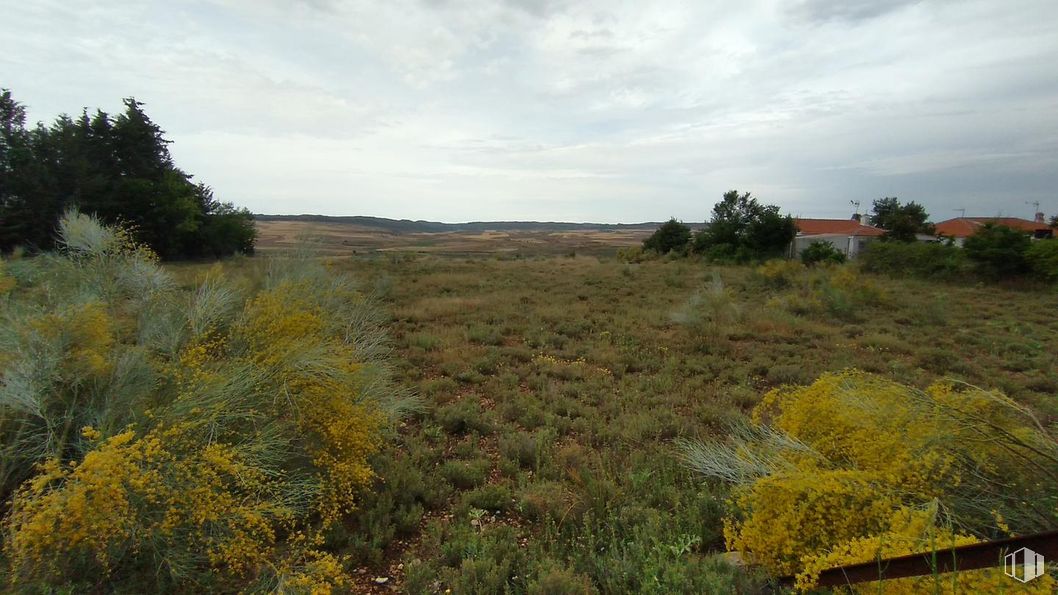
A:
x: 340, y: 238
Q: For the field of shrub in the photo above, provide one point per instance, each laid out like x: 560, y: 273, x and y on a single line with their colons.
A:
x: 523, y: 425
x: 559, y: 394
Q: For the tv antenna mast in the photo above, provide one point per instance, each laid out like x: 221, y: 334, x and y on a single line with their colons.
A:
x: 962, y: 212
x: 1035, y: 206
x: 856, y: 204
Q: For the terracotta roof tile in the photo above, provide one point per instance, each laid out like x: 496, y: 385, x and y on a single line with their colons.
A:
x: 812, y: 227
x: 962, y: 227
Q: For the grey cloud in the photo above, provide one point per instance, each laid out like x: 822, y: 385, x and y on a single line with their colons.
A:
x: 475, y: 109
x: 538, y: 8
x: 846, y: 10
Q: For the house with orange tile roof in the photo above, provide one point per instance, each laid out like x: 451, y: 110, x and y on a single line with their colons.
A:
x: 961, y: 228
x: 849, y: 236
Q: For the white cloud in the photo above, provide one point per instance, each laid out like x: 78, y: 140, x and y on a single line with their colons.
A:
x: 610, y: 111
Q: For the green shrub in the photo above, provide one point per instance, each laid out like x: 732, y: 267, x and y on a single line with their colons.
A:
x: 485, y: 335
x: 526, y: 449
x: 476, y: 560
x: 926, y: 260
x: 672, y: 236
x: 463, y: 416
x: 635, y: 254
x: 492, y: 497
x: 789, y: 374
x: 779, y: 273
x: 822, y: 253
x: 743, y: 230
x: 545, y: 500
x: 466, y: 474
x: 403, y: 492
x: 712, y: 312
x: 425, y: 341
x: 560, y: 581
x: 837, y: 291
x: 420, y: 577
x: 998, y: 250
x: 1042, y: 256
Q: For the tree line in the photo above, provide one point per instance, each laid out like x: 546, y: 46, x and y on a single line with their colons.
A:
x: 742, y: 229
x: 116, y: 167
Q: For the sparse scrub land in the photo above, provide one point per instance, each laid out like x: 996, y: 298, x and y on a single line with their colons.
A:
x: 642, y: 356
x: 585, y: 424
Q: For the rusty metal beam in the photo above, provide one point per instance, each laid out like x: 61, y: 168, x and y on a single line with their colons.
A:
x: 966, y: 557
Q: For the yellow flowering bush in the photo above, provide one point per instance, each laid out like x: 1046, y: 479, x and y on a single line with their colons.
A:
x: 825, y: 291
x: 780, y: 272
x: 873, y: 429
x: 130, y: 494
x: 784, y: 516
x: 840, y: 471
x: 313, y: 572
x: 85, y: 334
x: 197, y: 440
x: 341, y: 434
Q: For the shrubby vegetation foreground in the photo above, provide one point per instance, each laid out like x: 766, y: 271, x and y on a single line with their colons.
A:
x: 160, y: 439
x: 249, y: 426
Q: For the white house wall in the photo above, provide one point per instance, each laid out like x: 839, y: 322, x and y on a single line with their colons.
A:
x: 848, y: 245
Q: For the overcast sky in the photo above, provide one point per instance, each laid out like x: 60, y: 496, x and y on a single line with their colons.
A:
x: 603, y: 111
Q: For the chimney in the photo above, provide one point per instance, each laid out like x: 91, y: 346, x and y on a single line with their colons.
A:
x: 1039, y: 218
x: 859, y: 218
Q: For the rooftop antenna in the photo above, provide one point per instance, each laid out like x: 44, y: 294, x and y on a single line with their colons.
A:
x: 962, y: 213
x: 856, y: 204
x: 1035, y: 206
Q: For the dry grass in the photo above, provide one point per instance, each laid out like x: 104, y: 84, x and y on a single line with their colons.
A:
x: 336, y: 239
x: 571, y: 378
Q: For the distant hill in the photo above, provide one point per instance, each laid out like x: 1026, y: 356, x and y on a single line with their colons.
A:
x: 409, y: 226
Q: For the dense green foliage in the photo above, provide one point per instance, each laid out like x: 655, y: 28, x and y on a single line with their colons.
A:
x: 742, y: 230
x: 925, y: 260
x: 822, y: 252
x: 672, y: 236
x: 117, y: 168
x: 1042, y: 256
x: 998, y: 251
x: 900, y: 222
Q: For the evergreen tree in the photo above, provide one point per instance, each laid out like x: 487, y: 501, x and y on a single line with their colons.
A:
x: 118, y: 168
x: 998, y: 250
x: 672, y: 236
x: 743, y: 229
x: 900, y: 222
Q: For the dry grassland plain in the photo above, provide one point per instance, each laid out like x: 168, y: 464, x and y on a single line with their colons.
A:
x: 348, y: 239
x: 555, y: 378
